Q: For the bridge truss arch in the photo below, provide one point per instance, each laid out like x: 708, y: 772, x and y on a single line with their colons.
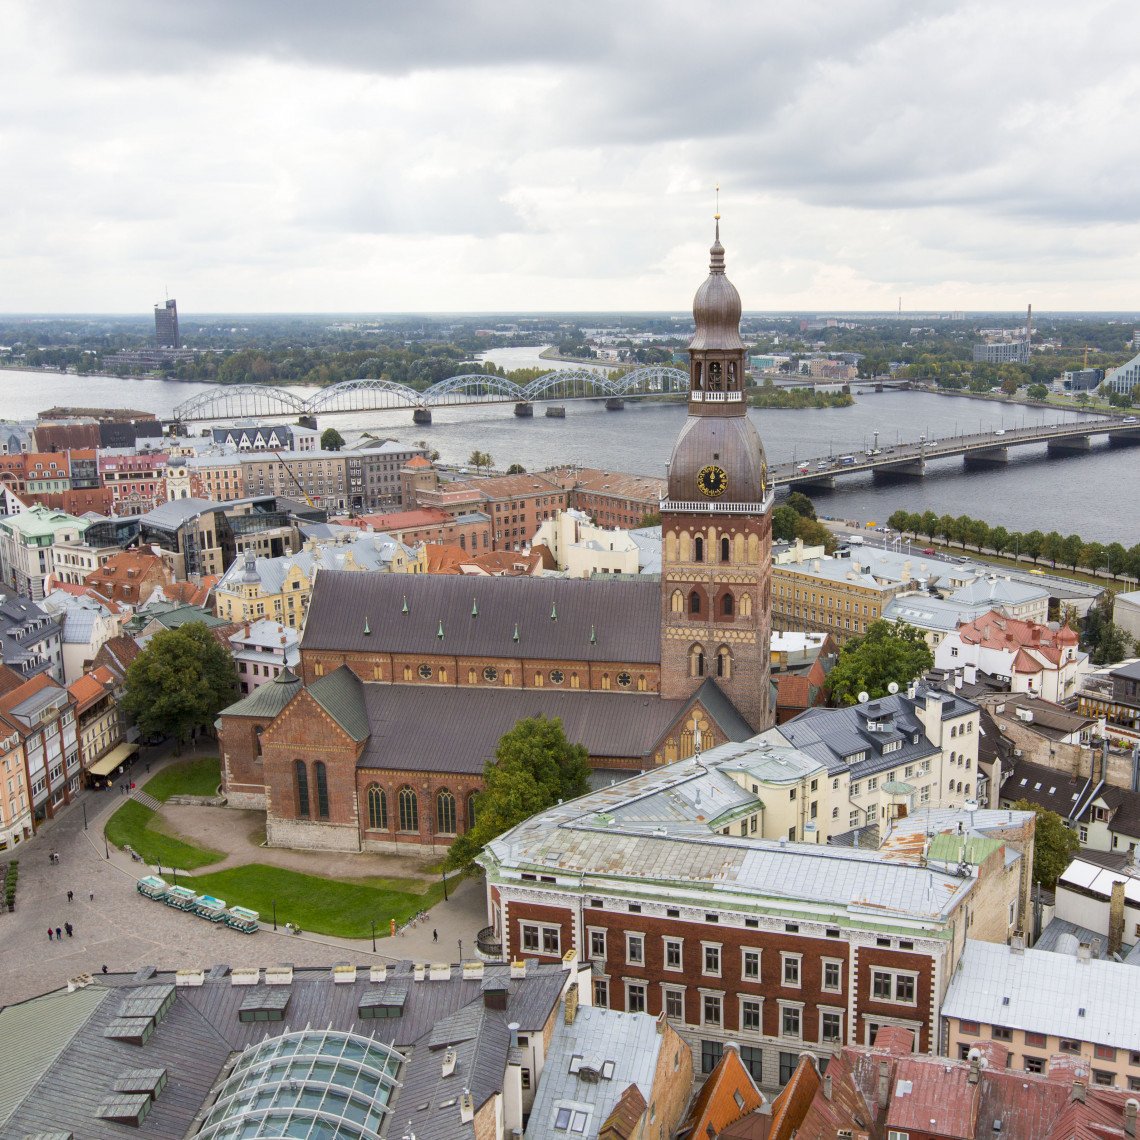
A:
x: 471, y: 386
x: 569, y: 384
x: 240, y: 401
x: 363, y: 396
x: 652, y: 380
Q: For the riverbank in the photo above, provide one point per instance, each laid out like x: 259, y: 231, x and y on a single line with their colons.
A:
x: 552, y: 353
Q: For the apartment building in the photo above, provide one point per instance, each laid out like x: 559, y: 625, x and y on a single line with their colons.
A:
x: 216, y: 477
x: 778, y: 946
x: 1041, y: 1003
x: 27, y: 547
x: 31, y: 639
x: 611, y: 498
x: 137, y: 482
x: 516, y: 504
x: 321, y: 477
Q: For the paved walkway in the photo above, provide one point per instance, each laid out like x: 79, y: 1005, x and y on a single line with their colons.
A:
x: 116, y: 927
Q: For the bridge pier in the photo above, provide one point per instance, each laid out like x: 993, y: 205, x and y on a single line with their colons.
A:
x: 909, y: 468
x: 1073, y: 445
x: 986, y: 457
x: 1124, y: 438
x: 615, y: 404
x: 421, y: 416
x: 814, y: 483
x: 524, y: 409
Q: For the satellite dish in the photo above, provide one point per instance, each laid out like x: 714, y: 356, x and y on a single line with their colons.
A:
x: 893, y: 688
x: 864, y: 697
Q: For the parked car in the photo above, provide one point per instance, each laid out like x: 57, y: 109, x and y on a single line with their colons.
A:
x: 929, y: 550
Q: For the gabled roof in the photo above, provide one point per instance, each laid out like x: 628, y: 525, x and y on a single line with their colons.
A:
x: 715, y: 1106
x: 791, y: 1105
x: 1045, y: 787
x: 266, y: 701
x: 553, y: 618
x: 341, y: 695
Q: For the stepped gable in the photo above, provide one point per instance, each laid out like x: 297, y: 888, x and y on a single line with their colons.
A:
x: 556, y: 618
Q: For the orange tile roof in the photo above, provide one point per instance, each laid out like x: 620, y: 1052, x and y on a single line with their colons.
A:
x: 91, y: 687
x: 715, y: 1105
x: 405, y: 520
x: 791, y: 1105
x: 622, y: 1123
x: 444, y: 558
x: 417, y: 461
x: 993, y: 630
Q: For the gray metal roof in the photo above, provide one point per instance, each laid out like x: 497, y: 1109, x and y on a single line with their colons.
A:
x: 584, y: 837
x: 1048, y: 993
x: 341, y: 695
x: 67, y: 1067
x: 449, y: 729
x: 269, y: 699
x: 629, y: 1040
x: 555, y: 618
x: 172, y: 515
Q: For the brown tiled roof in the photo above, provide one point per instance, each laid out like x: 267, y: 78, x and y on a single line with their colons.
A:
x: 444, y: 558
x: 91, y: 687
x: 397, y: 521
x: 791, y: 1105
x: 715, y: 1105
x: 117, y: 654
x: 622, y: 1123
x: 506, y: 486
x: 555, y: 618
x: 648, y: 489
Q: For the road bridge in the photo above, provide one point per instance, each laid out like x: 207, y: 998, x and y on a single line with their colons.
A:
x: 256, y: 401
x: 979, y: 449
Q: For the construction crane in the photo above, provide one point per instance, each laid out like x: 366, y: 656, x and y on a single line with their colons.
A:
x: 296, y: 481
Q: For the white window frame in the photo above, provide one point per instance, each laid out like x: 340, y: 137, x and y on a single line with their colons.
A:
x: 666, y: 941
x: 838, y: 964
x: 786, y: 958
x: 717, y: 949
x: 630, y: 941
x: 669, y: 991
x: 786, y: 1007
x: 718, y: 995
x: 745, y: 951
x: 894, y: 976
x: 638, y: 983
x: 541, y: 931
x: 753, y: 999
x: 599, y: 932
x: 837, y: 1011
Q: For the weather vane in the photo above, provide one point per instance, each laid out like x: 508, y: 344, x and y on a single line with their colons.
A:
x: 717, y: 214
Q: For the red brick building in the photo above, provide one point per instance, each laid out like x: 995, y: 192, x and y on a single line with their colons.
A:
x: 611, y: 498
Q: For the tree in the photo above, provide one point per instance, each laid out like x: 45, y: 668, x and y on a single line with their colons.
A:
x: 801, y: 504
x: 480, y: 459
x: 784, y: 519
x: 179, y: 682
x: 331, y: 440
x: 1054, y: 844
x: 516, y: 469
x: 535, y: 766
x: 814, y: 533
x: 1000, y: 539
x: 1037, y: 392
x: 886, y: 652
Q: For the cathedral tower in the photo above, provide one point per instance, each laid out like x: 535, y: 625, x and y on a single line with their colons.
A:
x: 716, y: 521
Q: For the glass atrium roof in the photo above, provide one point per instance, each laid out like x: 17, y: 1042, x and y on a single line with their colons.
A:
x: 323, y: 1085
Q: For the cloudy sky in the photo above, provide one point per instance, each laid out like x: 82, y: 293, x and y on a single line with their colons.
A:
x: 442, y: 155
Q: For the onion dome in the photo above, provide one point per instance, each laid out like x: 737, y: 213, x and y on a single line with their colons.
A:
x: 716, y: 307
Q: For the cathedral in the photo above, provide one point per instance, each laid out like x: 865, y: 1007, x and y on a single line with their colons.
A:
x: 406, y: 683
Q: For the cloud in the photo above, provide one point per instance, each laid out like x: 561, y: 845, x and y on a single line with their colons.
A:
x: 443, y: 155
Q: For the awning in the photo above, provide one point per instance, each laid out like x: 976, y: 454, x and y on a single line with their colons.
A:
x: 105, y: 765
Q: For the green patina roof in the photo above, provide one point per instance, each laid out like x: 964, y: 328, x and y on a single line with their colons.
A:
x: 269, y: 699
x: 339, y: 694
x: 951, y: 848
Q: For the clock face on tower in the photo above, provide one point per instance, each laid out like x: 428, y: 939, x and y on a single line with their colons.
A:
x: 712, y: 481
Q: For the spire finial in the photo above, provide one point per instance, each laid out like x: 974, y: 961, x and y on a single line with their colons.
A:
x: 716, y: 216
x: 474, y: 608
x: 439, y: 634
x: 516, y: 634
x: 404, y: 607
x: 367, y: 627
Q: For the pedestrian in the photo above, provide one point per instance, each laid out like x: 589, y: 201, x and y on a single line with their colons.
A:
x: 69, y: 928
x: 71, y: 896
x: 58, y: 934
x: 435, y: 935
x: 92, y: 896
x: 49, y: 934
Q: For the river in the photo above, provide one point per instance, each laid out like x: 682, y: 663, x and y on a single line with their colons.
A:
x: 1093, y: 494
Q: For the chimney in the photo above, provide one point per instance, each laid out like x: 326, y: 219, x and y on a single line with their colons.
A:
x: 975, y: 1057
x: 1084, y: 952
x: 514, y: 1031
x: 1130, y: 1107
x: 571, y: 1010
x: 1017, y: 944
x: 1116, y: 918
x: 827, y: 1087
x: 884, y: 1084
x: 1078, y: 1093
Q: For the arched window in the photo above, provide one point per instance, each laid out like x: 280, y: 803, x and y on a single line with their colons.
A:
x: 967, y: 789
x: 463, y: 542
x: 470, y: 811
x: 953, y: 730
x: 970, y: 726
x: 953, y: 757
x: 959, y: 785
x: 745, y: 605
x: 695, y: 602
x: 951, y: 785
x: 697, y: 375
x: 967, y: 763
x: 677, y: 602
x: 731, y: 374
x: 322, y: 781
x: 257, y: 738
x: 726, y: 605
x: 724, y: 662
x: 714, y: 375
x: 445, y: 813
x: 697, y: 661
x: 409, y: 810
x: 605, y: 680
x: 725, y: 549
x: 301, y: 780
x: 698, y: 549
x: 377, y: 808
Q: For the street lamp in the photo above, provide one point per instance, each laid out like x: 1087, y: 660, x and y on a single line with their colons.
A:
x: 84, y: 817
x: 460, y: 949
x: 374, y: 936
x: 443, y: 876
x: 274, y: 914
x: 106, y: 849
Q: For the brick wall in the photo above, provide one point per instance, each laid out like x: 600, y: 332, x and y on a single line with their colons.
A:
x: 526, y: 912
x: 427, y: 786
x: 672, y: 1081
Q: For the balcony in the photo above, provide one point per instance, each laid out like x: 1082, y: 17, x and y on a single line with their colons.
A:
x: 488, y: 946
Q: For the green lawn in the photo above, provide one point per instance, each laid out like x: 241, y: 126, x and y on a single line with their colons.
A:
x: 198, y: 777
x: 344, y: 909
x: 132, y: 824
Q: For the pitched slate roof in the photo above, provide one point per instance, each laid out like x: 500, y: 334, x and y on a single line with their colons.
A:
x: 266, y: 701
x: 1045, y: 787
x: 556, y: 618
x: 449, y: 729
